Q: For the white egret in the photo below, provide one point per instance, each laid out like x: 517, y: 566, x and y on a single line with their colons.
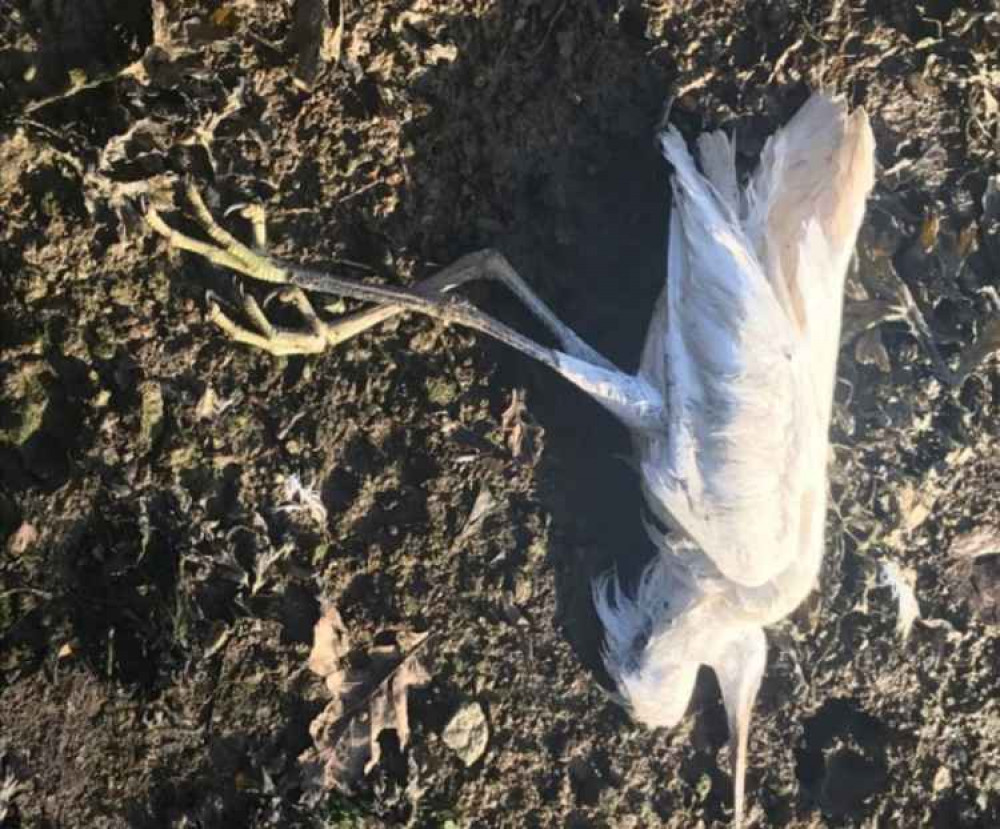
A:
x: 729, y: 410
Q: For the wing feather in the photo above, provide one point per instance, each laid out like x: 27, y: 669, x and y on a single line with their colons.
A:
x: 745, y: 339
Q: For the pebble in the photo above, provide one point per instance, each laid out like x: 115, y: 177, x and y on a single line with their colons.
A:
x: 467, y: 733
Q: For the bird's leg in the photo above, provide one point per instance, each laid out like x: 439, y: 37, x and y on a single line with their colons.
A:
x: 228, y: 252
x: 267, y: 336
x: 739, y: 666
x: 317, y: 334
x: 485, y: 265
x: 633, y: 400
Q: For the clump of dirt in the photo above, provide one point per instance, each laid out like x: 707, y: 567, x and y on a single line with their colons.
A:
x: 157, y: 615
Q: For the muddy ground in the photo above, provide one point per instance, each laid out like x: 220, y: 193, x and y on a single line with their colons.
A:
x: 158, y: 597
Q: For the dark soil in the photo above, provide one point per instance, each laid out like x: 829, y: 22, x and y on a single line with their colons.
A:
x: 156, y: 601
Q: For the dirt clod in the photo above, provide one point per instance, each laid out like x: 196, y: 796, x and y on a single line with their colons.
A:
x: 467, y: 733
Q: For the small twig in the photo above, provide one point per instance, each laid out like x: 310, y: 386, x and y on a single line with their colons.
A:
x: 548, y: 30
x: 133, y: 70
x: 31, y: 591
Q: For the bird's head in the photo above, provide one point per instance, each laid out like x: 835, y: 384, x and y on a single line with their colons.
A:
x: 647, y: 644
x: 656, y: 640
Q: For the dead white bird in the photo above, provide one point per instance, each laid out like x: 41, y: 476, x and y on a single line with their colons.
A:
x: 743, y: 349
x: 729, y: 410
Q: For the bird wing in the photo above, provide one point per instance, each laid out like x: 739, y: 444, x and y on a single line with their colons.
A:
x: 814, y: 174
x: 746, y: 341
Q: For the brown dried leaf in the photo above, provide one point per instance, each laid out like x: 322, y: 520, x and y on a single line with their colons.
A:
x: 983, y: 541
x: 365, y: 702
x: 512, y: 424
x: 985, y: 346
x: 523, y: 437
x: 482, y: 507
x: 929, y: 231
x: 901, y: 581
x: 207, y: 404
x: 22, y: 539
x: 869, y: 350
x: 968, y: 240
x: 330, y: 643
x: 341, y: 749
x: 411, y: 674
x: 333, y: 45
x: 468, y: 733
x: 984, y: 589
x: 313, y: 38
x: 915, y: 507
x: 225, y: 17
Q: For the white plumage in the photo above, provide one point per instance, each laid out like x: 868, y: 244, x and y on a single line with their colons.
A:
x: 729, y: 411
x: 742, y: 348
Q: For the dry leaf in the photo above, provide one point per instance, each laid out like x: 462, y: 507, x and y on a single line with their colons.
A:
x: 365, y: 702
x: 314, y: 39
x: 901, y: 582
x: 984, y: 589
x: 915, y: 507
x: 985, y: 346
x: 22, y: 538
x: 977, y: 555
x: 305, y: 498
x: 330, y: 643
x: 333, y: 44
x: 207, y: 404
x: 968, y: 240
x: 869, y: 350
x: 481, y: 509
x: 983, y: 541
x: 438, y: 52
x: 151, y: 414
x: 929, y: 231
x: 522, y: 437
x: 225, y: 18
x: 468, y: 733
x: 341, y: 750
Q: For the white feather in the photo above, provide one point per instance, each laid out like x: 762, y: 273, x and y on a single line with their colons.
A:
x: 742, y: 346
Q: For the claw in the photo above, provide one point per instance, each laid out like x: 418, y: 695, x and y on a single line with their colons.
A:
x: 612, y: 388
x: 238, y: 207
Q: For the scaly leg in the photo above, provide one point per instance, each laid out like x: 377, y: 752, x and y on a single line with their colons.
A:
x: 263, y: 334
x: 631, y: 399
x: 230, y: 253
x: 493, y: 266
x: 269, y: 337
